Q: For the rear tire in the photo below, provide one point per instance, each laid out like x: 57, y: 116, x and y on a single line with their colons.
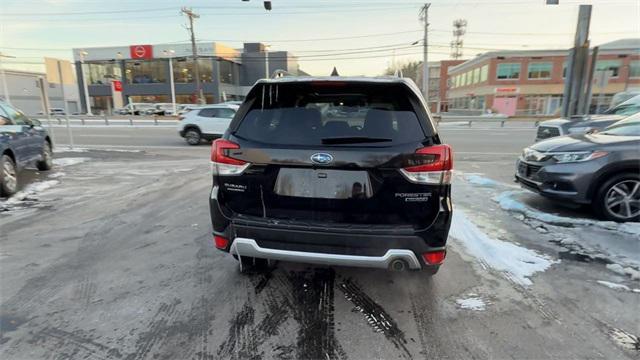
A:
x: 47, y: 158
x: 618, y: 199
x: 193, y: 136
x: 8, y: 176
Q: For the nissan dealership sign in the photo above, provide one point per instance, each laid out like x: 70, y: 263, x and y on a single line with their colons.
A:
x: 141, y: 52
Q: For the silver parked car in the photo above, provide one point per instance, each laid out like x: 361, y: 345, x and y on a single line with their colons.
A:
x: 588, y: 123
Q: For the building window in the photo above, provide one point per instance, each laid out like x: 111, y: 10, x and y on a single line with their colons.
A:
x: 609, y: 65
x: 184, y: 72
x: 540, y: 70
x: 484, y: 73
x: 145, y: 72
x: 508, y: 71
x: 434, y: 84
x: 227, y: 72
x: 476, y: 75
x: 103, y: 73
x: 564, y: 70
x: 634, y: 69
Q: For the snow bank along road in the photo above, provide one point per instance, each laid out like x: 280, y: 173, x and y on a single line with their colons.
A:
x: 110, y: 257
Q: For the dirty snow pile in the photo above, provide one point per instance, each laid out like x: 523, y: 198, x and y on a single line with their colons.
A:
x: 507, y: 201
x: 516, y: 262
x: 473, y: 302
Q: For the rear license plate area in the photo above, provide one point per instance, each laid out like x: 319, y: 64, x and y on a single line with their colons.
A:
x: 323, y: 183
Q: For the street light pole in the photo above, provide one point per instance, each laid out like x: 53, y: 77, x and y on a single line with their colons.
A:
x: 66, y: 107
x: 85, y: 84
x: 170, y: 53
x: 266, y: 61
x: 7, y: 97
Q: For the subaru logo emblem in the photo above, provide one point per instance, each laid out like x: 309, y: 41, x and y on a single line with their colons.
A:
x: 321, y: 158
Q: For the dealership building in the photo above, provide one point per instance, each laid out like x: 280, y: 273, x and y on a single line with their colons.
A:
x: 142, y: 73
x: 531, y: 82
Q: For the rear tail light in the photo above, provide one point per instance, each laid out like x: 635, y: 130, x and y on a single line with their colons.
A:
x: 220, y: 242
x: 222, y: 163
x: 430, y: 165
x: 180, y: 118
x: 434, y: 257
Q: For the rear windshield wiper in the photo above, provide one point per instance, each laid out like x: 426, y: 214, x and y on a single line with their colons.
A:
x: 353, y: 140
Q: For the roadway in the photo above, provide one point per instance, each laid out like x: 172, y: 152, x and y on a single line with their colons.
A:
x: 115, y: 261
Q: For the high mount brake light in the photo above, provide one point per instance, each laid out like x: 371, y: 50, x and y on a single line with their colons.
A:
x: 222, y: 163
x: 430, y: 165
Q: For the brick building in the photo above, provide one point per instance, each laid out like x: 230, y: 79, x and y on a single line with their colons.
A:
x: 531, y: 82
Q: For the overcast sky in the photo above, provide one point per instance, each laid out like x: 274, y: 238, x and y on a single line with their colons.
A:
x: 369, y: 32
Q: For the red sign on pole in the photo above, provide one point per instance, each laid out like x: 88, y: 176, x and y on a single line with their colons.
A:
x: 117, y: 85
x: 141, y: 51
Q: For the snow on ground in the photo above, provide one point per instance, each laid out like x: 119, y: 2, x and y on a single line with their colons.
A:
x: 59, y: 149
x: 619, y: 269
x: 615, y: 286
x: 624, y: 339
x: 472, y: 302
x: 481, y: 180
x: 507, y: 201
x: 516, y: 262
x: 28, y: 192
x: 57, y: 175
x: 66, y: 149
x: 68, y: 161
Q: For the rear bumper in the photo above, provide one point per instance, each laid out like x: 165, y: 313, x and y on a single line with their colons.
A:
x: 250, y: 248
x: 331, y: 243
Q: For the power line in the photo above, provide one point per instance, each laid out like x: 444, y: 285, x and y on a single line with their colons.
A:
x: 239, y: 13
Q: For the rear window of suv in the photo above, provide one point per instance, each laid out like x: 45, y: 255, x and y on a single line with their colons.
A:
x: 331, y: 113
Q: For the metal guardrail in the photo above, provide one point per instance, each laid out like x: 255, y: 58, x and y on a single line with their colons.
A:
x: 469, y: 120
x: 108, y: 120
x: 157, y: 120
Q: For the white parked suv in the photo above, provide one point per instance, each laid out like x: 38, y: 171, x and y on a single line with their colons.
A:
x: 207, y: 122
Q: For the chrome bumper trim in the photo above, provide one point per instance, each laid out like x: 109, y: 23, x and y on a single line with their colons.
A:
x: 249, y: 247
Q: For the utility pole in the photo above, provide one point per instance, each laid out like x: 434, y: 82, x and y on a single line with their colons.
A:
x: 586, y: 105
x: 424, y: 17
x: 194, y: 49
x: 459, y: 29
x: 574, y: 84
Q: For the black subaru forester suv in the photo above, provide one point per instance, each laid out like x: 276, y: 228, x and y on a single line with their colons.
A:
x: 334, y: 171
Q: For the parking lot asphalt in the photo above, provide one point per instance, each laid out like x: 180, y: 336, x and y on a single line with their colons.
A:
x: 115, y: 261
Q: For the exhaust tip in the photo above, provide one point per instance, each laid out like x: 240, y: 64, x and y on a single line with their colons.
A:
x: 398, y: 265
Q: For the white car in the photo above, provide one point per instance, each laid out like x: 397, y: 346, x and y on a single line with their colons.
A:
x: 207, y: 122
